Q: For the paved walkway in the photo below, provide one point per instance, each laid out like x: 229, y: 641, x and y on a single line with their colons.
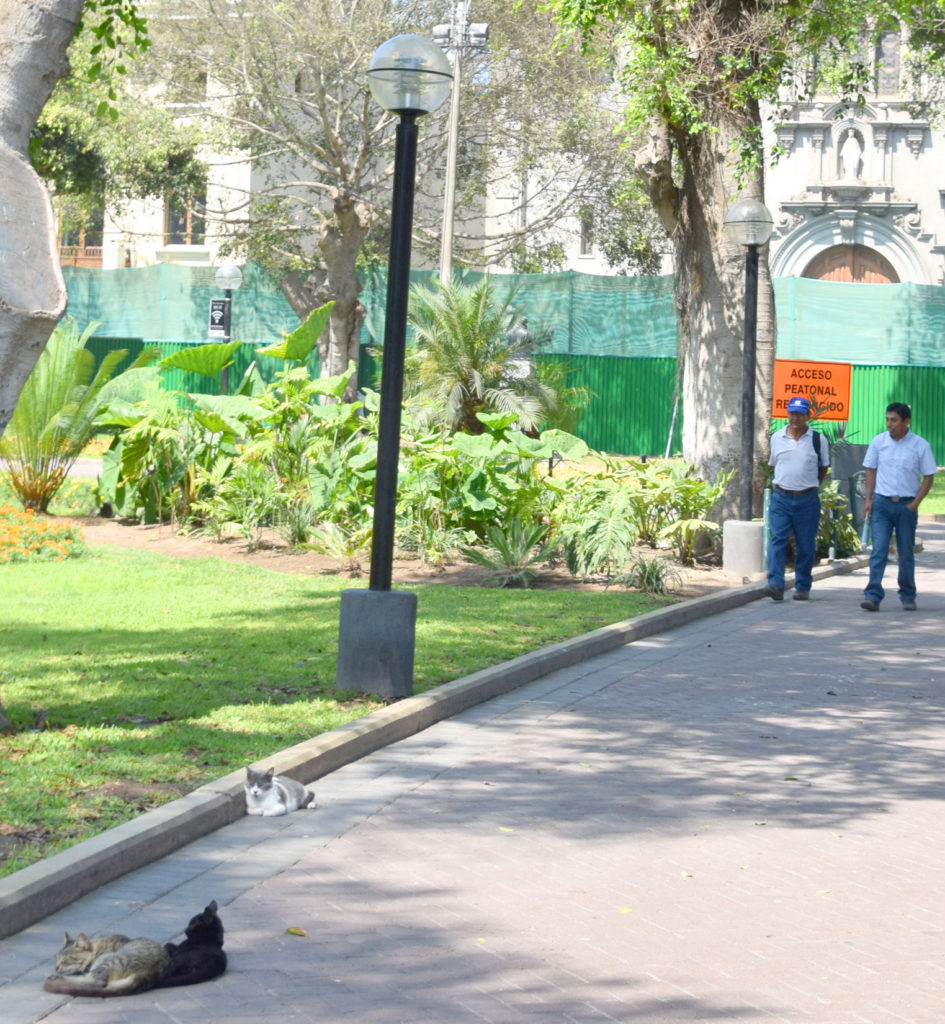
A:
x: 739, y: 820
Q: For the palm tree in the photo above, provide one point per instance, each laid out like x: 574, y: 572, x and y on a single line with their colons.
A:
x: 466, y: 361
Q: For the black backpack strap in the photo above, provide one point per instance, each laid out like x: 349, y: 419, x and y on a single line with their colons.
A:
x: 818, y: 442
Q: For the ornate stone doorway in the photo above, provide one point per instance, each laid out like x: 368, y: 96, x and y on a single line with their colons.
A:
x: 856, y: 263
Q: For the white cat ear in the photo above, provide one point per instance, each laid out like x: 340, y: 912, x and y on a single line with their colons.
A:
x: 82, y: 942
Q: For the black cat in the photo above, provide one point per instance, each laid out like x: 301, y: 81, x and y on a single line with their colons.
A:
x: 200, y: 956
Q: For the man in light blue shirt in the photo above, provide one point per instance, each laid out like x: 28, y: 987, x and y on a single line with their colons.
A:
x: 900, y: 468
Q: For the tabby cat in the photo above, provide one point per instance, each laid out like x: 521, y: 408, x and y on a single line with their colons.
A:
x: 134, y: 966
x: 269, y: 794
x: 77, y: 954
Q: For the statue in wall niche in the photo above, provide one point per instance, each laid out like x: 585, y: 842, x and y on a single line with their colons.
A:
x: 850, y: 154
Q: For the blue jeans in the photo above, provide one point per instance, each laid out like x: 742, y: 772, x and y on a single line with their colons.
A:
x: 798, y: 515
x: 888, y: 516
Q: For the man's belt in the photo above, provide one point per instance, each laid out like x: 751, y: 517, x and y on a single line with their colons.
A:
x: 796, y: 494
x: 896, y: 497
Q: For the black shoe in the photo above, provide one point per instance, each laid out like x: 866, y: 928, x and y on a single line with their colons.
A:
x: 801, y: 595
x: 869, y: 605
x: 775, y: 593
x: 908, y: 606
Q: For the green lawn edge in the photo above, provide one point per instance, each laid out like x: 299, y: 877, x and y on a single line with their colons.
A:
x: 132, y: 677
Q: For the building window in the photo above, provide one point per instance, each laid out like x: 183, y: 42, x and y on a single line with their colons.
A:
x: 81, y: 229
x: 184, y: 223
x: 887, y: 63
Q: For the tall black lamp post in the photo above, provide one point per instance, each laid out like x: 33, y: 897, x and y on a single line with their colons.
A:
x: 409, y: 76
x: 748, y: 223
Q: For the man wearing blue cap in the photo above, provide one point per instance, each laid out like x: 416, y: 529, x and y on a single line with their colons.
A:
x: 800, y: 457
x: 900, y: 468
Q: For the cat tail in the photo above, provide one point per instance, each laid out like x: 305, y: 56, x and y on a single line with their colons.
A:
x: 86, y: 985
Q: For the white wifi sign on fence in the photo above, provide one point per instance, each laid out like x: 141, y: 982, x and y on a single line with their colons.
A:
x: 216, y: 328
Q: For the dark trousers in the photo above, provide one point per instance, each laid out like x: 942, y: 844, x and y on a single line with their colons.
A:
x: 799, y: 515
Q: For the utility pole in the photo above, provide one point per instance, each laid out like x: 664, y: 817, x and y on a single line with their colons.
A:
x: 456, y: 36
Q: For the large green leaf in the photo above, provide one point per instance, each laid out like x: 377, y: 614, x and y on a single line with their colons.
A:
x: 208, y: 360
x: 336, y: 386
x: 478, y: 446
x: 497, y: 422
x: 299, y: 344
x: 565, y: 444
x: 231, y: 406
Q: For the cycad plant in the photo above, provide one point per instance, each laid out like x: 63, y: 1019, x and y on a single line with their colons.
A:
x: 464, y: 361
x: 56, y: 414
x: 514, y: 554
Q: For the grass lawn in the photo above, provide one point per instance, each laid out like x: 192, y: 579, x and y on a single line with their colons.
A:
x: 934, y: 502
x: 132, y: 677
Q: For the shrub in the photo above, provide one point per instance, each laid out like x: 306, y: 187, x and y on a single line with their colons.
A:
x: 514, y: 554
x: 651, y: 575
x: 57, y: 412
x: 24, y: 536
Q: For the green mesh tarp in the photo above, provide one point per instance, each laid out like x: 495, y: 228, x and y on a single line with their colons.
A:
x: 581, y: 314
x: 171, y: 302
x: 877, y: 324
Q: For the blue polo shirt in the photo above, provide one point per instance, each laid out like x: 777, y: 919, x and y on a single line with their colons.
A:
x: 900, y: 465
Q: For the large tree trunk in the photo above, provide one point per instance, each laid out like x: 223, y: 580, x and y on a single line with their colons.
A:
x: 34, y: 38
x: 710, y: 298
x: 340, y: 242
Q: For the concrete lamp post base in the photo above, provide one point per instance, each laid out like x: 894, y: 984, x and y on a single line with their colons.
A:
x: 743, y: 547
x: 376, y: 642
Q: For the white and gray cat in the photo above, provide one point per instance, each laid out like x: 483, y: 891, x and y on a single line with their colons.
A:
x: 268, y: 794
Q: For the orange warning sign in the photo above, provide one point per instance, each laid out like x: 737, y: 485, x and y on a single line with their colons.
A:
x: 826, y: 385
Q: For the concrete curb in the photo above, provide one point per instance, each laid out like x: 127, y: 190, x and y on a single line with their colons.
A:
x: 49, y: 885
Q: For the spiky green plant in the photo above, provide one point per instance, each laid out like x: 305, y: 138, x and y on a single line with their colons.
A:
x: 514, y: 553
x: 465, y: 362
x: 650, y: 575
x: 57, y: 413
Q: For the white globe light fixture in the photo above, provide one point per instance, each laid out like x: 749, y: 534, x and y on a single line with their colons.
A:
x: 228, y: 277
x: 409, y: 75
x: 748, y: 223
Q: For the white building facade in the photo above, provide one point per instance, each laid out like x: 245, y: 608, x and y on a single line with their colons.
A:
x: 858, y: 196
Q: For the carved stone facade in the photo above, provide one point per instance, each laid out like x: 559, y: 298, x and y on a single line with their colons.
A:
x: 858, y: 196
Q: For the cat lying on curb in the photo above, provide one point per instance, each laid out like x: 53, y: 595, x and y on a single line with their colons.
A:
x: 114, y: 965
x: 269, y: 794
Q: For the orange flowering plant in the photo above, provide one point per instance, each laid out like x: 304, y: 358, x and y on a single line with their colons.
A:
x: 25, y: 536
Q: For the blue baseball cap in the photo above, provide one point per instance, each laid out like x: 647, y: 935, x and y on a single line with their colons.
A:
x: 798, y: 404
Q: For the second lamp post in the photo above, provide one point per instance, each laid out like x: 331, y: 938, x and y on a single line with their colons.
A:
x: 749, y: 223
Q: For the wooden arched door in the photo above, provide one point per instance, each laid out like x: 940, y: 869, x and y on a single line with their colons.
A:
x: 854, y: 263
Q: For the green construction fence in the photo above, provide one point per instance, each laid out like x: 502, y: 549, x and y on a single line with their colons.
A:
x: 616, y: 334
